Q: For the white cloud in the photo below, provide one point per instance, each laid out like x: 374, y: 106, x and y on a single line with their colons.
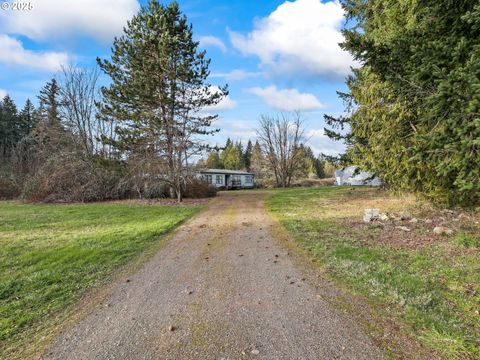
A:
x: 13, y: 53
x: 3, y: 93
x: 322, y: 144
x: 101, y: 19
x: 227, y: 103
x: 299, y: 37
x: 212, y: 41
x: 287, y: 99
x: 238, y: 130
x: 235, y: 75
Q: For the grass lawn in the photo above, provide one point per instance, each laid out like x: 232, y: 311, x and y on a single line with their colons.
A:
x: 50, y: 255
x: 427, y: 282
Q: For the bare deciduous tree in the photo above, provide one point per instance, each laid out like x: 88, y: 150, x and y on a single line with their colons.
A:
x: 79, y: 93
x: 280, y: 137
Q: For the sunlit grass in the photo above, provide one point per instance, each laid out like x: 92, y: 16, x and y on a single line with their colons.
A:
x: 435, y: 289
x: 52, y: 254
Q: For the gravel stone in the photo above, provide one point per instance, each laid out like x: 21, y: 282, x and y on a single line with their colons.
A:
x: 239, y: 301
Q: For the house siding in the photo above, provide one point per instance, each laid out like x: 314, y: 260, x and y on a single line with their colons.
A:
x: 219, y: 180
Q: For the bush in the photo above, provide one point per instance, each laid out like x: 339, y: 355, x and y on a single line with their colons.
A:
x: 73, y: 178
x: 198, y: 188
x: 9, y: 188
x: 155, y: 190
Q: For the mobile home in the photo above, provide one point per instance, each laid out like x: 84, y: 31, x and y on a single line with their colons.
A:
x: 228, y: 179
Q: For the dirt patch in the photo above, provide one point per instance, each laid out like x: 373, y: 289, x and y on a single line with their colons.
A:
x: 402, y: 231
x: 164, y: 202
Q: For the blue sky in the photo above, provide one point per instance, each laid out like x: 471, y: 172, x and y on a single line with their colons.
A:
x: 274, y: 55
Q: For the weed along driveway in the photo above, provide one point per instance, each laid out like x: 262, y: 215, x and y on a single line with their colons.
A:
x: 224, y: 287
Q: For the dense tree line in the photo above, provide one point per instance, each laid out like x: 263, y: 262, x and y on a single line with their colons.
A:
x: 414, y: 104
x: 14, y: 125
x: 278, y: 156
x: 232, y: 156
x: 133, y: 137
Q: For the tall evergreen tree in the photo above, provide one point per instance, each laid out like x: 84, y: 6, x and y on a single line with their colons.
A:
x: 158, y: 89
x: 226, y: 150
x: 258, y: 164
x: 50, y: 135
x: 28, y: 118
x: 9, y: 127
x: 247, y: 155
x: 414, y: 103
x: 241, y: 162
x: 49, y: 99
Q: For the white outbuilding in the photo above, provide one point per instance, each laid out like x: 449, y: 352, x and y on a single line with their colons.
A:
x: 353, y: 176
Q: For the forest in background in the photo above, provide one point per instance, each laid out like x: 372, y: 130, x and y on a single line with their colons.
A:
x: 412, y: 113
x: 252, y: 158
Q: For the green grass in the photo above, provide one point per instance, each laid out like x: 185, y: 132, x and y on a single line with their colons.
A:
x: 434, y: 290
x: 52, y: 254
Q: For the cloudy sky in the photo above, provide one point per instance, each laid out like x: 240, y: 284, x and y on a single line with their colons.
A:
x: 274, y: 55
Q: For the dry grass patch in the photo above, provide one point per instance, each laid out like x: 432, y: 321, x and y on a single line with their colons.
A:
x: 430, y: 283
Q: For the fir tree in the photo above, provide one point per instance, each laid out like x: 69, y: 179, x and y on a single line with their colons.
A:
x: 28, y: 118
x: 226, y: 150
x: 232, y: 156
x: 258, y: 163
x: 49, y: 99
x: 413, y: 106
x: 247, y: 155
x: 158, y: 89
x: 9, y: 127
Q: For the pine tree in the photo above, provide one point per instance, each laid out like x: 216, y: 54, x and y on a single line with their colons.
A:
x: 241, y: 160
x: 158, y: 89
x: 49, y: 99
x: 247, y: 155
x: 226, y: 150
x: 9, y: 127
x: 28, y: 118
x: 50, y: 134
x: 257, y: 163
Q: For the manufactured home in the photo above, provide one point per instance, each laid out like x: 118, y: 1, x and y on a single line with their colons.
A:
x: 228, y: 179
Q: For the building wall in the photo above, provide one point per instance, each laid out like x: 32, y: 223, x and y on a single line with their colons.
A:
x: 219, y: 180
x: 243, y: 181
x: 222, y: 180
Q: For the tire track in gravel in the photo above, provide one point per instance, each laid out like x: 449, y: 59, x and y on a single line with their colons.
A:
x: 228, y: 289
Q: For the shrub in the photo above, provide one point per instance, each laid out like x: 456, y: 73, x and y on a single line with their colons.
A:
x: 155, y: 190
x: 9, y: 188
x: 198, y: 188
x: 73, y: 178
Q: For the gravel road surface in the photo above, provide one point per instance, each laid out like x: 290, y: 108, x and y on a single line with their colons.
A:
x: 223, y: 288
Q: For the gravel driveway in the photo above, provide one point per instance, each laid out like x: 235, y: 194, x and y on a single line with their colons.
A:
x: 223, y: 288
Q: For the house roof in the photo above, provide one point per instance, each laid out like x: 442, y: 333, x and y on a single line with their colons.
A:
x: 224, y: 171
